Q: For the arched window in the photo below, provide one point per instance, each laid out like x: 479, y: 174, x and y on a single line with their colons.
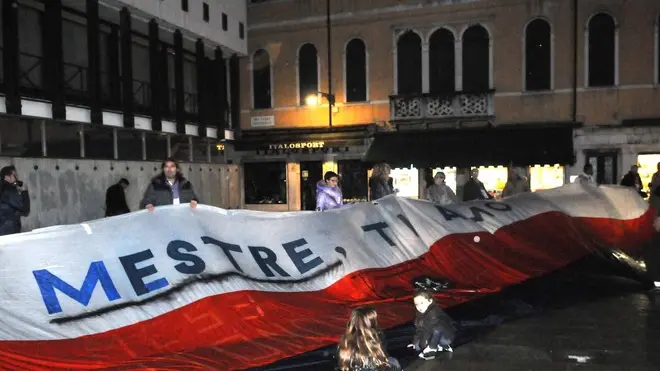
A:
x: 476, y: 59
x: 538, y: 55
x: 657, y: 51
x: 409, y: 64
x: 356, y: 71
x: 441, y: 61
x: 261, y: 88
x: 602, y: 44
x: 308, y: 72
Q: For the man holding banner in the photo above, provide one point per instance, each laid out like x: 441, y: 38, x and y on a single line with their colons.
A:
x: 169, y: 188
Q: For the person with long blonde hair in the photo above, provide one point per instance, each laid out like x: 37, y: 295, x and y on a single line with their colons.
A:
x: 362, y: 346
x: 379, y: 181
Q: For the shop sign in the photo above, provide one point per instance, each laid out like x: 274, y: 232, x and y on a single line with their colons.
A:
x: 297, y: 145
x: 262, y: 121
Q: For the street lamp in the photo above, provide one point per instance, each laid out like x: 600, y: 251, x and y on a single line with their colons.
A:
x: 312, y: 100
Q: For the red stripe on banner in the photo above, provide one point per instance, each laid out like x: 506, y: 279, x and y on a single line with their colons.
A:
x: 250, y: 328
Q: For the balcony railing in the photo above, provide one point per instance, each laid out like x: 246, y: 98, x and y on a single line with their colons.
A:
x: 441, y: 106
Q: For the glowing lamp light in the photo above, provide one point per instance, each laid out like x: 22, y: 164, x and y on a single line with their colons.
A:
x: 312, y: 100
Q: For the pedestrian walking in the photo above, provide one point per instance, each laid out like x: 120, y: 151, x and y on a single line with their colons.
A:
x: 115, y: 199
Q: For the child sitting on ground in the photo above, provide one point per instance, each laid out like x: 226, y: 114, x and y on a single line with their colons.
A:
x: 434, y: 329
x: 362, y: 346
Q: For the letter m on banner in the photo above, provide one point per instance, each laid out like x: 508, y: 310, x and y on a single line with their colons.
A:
x: 48, y: 282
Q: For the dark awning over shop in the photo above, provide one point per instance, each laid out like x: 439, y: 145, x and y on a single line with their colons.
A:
x: 289, y: 139
x: 520, y: 145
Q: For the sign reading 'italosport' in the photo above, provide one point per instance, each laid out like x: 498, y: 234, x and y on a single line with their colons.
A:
x: 87, y: 295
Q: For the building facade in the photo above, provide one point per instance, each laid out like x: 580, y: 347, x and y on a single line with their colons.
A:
x: 113, y: 85
x: 546, y: 85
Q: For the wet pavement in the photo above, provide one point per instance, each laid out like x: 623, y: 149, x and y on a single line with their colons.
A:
x: 612, y: 325
x: 570, y: 320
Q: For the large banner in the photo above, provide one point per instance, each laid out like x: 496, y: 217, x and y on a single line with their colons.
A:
x: 228, y: 290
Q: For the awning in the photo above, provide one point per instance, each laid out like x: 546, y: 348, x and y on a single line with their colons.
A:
x: 313, y: 138
x: 519, y: 145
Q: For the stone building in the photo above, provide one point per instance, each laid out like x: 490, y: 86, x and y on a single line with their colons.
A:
x: 546, y: 85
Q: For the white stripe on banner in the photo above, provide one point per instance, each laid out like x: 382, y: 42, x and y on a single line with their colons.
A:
x: 63, y: 272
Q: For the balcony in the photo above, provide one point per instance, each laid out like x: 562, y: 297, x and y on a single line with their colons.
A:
x: 439, y: 107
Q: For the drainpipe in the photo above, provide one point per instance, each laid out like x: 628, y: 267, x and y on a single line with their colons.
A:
x: 575, y: 59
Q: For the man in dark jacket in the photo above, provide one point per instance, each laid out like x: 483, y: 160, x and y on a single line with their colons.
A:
x: 14, y: 201
x: 633, y: 180
x: 169, y: 188
x: 474, y: 189
x: 115, y: 199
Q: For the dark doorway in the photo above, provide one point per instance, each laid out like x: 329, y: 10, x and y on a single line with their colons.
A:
x: 310, y: 174
x: 605, y: 166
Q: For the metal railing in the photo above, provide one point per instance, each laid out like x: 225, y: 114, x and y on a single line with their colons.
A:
x: 440, y: 106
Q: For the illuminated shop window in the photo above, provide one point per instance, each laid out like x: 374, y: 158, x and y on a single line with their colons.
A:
x: 494, y: 179
x: 406, y: 180
x: 648, y: 165
x: 546, y: 177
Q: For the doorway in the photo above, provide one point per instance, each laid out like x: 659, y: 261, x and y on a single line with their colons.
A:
x: 311, y: 173
x: 605, y: 166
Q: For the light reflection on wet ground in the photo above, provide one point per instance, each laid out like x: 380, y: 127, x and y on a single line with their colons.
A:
x: 569, y: 322
x: 612, y: 324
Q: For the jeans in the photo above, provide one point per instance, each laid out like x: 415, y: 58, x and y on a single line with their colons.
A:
x: 437, y: 338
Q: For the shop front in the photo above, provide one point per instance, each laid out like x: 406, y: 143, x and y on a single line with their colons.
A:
x: 539, y: 151
x: 281, y: 167
x: 612, y: 150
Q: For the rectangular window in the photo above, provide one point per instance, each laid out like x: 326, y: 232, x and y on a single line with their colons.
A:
x: 184, y: 5
x: 265, y: 183
x: 129, y: 145
x: 241, y: 30
x: 225, y: 22
x: 206, y: 12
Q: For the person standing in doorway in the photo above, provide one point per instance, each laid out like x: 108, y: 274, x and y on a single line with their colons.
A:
x: 169, y: 188
x: 587, y: 176
x: 474, y: 189
x: 115, y: 199
x: 14, y: 201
